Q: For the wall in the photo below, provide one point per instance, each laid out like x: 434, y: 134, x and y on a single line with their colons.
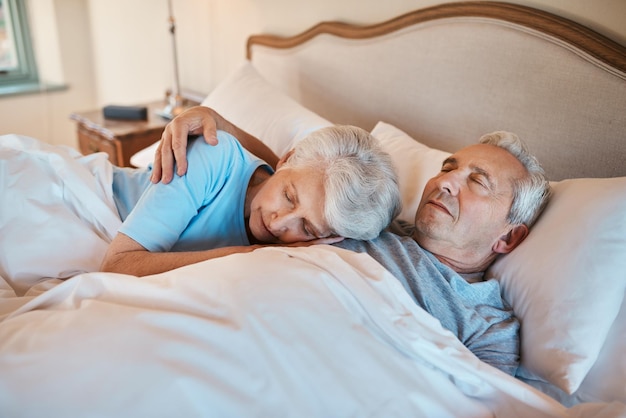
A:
x: 119, y: 51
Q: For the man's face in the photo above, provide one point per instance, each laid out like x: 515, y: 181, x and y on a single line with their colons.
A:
x: 289, y: 207
x: 463, y: 210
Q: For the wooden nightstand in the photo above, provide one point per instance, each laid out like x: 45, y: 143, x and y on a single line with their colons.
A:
x: 121, y: 139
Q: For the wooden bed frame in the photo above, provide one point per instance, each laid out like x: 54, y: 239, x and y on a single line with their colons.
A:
x: 474, y: 67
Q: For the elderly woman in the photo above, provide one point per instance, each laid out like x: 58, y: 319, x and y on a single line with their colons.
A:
x: 336, y: 183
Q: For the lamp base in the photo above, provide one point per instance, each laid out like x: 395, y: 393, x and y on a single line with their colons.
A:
x: 174, y: 107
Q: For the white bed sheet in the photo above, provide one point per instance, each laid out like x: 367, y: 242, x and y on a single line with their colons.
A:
x: 290, y: 332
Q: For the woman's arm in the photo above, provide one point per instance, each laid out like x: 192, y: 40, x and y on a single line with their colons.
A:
x: 127, y: 256
x: 199, y: 120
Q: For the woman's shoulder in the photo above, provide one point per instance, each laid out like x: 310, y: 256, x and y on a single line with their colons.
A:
x: 224, y: 141
x: 227, y: 150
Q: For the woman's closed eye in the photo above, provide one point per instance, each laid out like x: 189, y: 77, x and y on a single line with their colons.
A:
x: 306, y: 230
x: 288, y: 197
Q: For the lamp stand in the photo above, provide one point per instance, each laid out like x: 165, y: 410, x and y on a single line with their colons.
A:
x: 175, y: 101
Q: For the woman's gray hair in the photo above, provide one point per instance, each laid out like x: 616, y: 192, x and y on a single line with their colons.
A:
x: 361, y: 184
x: 530, y: 194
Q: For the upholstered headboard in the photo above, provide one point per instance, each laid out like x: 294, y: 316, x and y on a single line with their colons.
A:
x: 450, y: 73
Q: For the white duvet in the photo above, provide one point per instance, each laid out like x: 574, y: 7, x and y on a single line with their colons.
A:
x: 279, y: 332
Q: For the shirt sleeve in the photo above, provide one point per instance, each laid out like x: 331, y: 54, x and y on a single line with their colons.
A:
x: 165, y: 210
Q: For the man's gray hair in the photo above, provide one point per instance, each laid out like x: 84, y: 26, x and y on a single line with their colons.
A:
x: 530, y: 194
x: 361, y: 184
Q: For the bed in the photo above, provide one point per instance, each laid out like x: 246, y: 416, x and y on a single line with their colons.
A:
x: 320, y: 331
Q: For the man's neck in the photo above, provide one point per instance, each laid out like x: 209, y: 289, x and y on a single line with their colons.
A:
x: 473, y: 277
x: 463, y: 262
x: 461, y: 267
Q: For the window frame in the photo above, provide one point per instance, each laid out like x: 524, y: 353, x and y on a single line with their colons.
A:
x: 25, y: 74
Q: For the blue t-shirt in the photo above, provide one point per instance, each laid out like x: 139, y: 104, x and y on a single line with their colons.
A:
x: 201, y: 210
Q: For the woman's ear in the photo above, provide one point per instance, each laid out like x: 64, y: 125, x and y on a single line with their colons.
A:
x: 284, y: 158
x: 507, y: 242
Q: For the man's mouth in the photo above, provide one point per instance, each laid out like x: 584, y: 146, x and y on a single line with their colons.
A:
x: 440, y: 206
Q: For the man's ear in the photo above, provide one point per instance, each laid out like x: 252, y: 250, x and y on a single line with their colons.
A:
x: 507, y: 242
x: 284, y: 158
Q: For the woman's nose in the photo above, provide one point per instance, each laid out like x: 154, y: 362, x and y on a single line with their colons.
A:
x: 282, y: 222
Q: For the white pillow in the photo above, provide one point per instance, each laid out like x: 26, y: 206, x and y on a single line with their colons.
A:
x: 246, y: 99
x: 566, y: 281
x: 606, y: 380
x: 415, y: 162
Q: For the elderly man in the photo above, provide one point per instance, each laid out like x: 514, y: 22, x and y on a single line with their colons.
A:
x: 481, y: 204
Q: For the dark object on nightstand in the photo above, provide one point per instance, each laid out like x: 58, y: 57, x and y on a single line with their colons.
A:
x: 121, y: 139
x: 125, y: 112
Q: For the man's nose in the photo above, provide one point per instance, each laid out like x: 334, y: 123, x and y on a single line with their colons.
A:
x: 449, y: 183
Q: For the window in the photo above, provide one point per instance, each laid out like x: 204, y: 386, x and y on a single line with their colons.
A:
x: 17, y: 62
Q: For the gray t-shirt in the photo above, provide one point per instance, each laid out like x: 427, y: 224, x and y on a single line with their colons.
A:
x: 474, y: 311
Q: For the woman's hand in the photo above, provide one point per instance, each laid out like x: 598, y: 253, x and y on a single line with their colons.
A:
x: 172, y: 150
x: 199, y: 120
